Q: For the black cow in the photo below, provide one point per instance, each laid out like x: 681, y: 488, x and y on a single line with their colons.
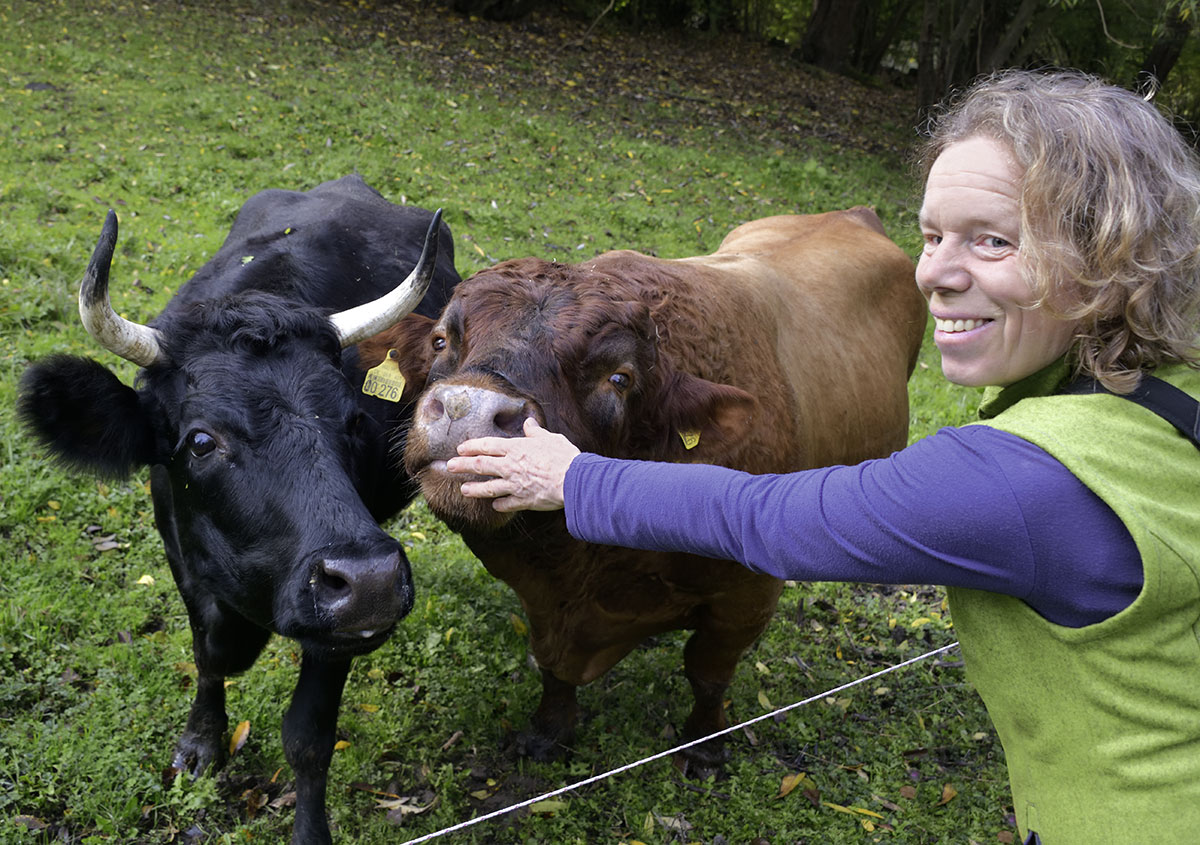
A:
x: 269, y: 465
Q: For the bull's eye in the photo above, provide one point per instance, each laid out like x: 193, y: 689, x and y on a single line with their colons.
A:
x: 439, y: 343
x: 201, y: 443
x: 620, y: 381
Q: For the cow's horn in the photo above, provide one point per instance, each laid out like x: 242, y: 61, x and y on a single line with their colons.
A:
x: 362, y: 321
x: 132, y: 341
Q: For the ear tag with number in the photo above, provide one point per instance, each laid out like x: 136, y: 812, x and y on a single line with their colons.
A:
x: 690, y: 439
x: 385, y: 380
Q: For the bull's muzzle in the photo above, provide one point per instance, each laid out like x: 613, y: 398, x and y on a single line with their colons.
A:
x: 461, y: 412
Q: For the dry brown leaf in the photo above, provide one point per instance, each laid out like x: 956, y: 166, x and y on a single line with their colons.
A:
x: 790, y: 782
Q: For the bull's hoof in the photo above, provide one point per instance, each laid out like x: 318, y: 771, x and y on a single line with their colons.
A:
x: 702, y: 761
x: 539, y: 747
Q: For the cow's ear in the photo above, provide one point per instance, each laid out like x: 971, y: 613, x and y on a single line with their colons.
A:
x: 85, y: 416
x: 413, y: 352
x: 706, y: 418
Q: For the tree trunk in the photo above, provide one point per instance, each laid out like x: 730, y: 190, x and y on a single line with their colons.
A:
x: 930, y: 82
x: 1167, y: 47
x: 1002, y: 53
x: 831, y: 34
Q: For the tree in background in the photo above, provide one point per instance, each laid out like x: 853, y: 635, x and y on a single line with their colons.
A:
x: 935, y: 46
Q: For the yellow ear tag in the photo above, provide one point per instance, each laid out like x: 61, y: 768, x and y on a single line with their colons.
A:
x: 385, y: 380
x: 690, y: 439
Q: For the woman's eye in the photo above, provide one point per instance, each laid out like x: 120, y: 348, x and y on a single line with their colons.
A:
x: 620, y: 381
x: 996, y: 243
x: 201, y: 443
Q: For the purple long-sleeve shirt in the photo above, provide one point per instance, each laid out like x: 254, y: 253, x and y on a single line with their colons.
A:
x: 966, y: 507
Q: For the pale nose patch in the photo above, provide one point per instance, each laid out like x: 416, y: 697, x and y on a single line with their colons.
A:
x: 457, y: 404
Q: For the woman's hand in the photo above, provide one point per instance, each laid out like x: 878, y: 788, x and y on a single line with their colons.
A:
x: 529, y: 471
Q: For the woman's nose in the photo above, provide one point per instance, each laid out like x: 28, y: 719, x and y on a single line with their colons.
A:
x: 942, y: 268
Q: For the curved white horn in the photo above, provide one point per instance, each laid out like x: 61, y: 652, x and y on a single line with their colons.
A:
x: 132, y: 341
x: 362, y: 321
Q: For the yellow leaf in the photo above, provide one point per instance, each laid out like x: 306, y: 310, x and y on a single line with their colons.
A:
x: 917, y: 623
x: 865, y: 812
x: 480, y: 794
x: 838, y: 807
x: 790, y: 782
x: 948, y: 794
x: 369, y: 708
x: 340, y: 744
x: 146, y: 580
x: 548, y: 807
x: 868, y: 825
x: 417, y: 534
x: 238, y: 739
x: 762, y: 667
x: 518, y: 624
x: 53, y: 505
x: 764, y: 701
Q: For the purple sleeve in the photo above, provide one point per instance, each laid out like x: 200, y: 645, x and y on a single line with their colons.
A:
x: 968, y: 507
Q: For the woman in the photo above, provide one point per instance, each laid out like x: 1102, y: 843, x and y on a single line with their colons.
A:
x: 1061, y: 220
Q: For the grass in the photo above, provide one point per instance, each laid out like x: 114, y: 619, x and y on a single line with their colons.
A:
x: 175, y: 113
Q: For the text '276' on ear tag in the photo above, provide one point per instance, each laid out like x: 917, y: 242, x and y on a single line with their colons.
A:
x: 385, y: 380
x: 690, y: 439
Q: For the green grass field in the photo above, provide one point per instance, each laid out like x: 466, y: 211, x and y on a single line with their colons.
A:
x: 173, y: 114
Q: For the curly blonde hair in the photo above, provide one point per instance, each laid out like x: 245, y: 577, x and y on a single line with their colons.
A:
x: 1110, y: 213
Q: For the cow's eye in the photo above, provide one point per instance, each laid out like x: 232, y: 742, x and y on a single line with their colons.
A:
x: 201, y: 443
x: 620, y: 381
x: 439, y: 343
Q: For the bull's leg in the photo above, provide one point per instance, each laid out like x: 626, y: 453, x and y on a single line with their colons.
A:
x: 553, y: 724
x: 309, y: 729
x: 224, y: 644
x: 709, y: 661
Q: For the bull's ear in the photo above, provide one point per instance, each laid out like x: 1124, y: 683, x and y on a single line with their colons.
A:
x: 706, y: 419
x: 85, y: 416
x: 414, y: 355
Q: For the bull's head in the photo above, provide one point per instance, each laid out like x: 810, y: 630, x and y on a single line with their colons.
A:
x: 583, y: 352
x: 260, y: 449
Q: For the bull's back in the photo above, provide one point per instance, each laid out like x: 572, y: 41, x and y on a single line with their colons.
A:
x: 817, y: 316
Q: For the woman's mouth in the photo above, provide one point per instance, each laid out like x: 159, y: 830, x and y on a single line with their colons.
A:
x: 957, y: 326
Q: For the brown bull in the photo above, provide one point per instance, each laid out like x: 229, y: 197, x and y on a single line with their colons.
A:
x: 788, y: 348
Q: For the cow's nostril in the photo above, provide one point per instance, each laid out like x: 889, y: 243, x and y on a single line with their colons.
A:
x: 330, y: 585
x: 511, y: 421
x: 433, y: 409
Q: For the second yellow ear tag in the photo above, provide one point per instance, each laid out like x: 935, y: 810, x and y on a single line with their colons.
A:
x: 690, y: 439
x: 385, y: 380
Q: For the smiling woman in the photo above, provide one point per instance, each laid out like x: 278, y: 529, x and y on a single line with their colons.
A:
x: 972, y: 273
x: 1039, y: 519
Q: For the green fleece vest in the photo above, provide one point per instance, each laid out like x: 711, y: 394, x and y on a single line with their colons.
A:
x: 1101, y: 724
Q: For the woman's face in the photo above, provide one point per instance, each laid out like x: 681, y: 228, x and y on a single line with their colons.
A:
x: 971, y: 270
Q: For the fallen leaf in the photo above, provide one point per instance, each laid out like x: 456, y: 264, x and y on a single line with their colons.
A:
x: 549, y: 807
x: 518, y: 624
x: 908, y: 792
x: 764, y: 701
x: 146, y: 580
x: 948, y: 794
x: 240, y: 734
x: 340, y: 744
x: 790, y: 782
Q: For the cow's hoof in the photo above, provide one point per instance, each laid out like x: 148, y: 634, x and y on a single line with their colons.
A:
x: 195, y: 754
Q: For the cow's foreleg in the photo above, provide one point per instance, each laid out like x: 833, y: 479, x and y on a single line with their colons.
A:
x: 309, y: 728
x: 223, y: 644
x: 552, y: 727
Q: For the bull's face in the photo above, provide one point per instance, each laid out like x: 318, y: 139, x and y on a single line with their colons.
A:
x: 574, y: 349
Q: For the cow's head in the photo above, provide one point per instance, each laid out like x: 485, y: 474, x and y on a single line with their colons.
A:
x: 258, y: 446
x: 581, y: 351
